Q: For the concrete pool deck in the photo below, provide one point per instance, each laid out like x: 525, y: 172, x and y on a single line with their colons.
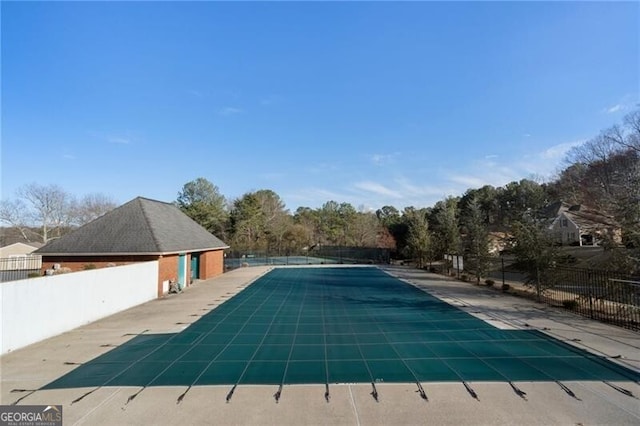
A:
x: 350, y: 404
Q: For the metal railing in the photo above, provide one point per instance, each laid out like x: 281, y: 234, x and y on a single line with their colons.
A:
x: 607, y: 296
x: 19, y: 267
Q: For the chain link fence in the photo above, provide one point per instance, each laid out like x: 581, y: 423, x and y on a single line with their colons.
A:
x: 318, y: 255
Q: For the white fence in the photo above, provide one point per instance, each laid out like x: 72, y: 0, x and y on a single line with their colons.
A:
x: 37, y: 308
x: 19, y: 266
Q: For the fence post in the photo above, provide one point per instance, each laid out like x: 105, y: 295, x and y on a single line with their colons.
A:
x: 502, y: 259
x: 590, y: 287
x: 538, y: 283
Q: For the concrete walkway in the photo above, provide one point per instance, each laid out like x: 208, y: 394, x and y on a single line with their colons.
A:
x: 30, y: 368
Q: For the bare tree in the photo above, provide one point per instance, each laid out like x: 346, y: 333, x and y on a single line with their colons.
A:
x: 597, y: 154
x: 48, y: 207
x: 364, y: 230
x: 12, y: 213
x: 91, y: 207
x: 632, y: 124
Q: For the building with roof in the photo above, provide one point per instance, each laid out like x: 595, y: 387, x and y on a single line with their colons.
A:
x: 138, y: 231
x: 581, y: 225
x: 17, y: 262
x: 19, y: 249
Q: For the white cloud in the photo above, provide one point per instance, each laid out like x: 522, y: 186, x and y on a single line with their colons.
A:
x: 118, y: 140
x: 196, y: 93
x: 272, y: 175
x: 626, y: 102
x: 377, y: 189
x: 310, y: 196
x: 227, y: 111
x: 69, y: 157
x: 469, y: 181
x: 614, y: 108
x: 558, y: 152
x: 321, y: 168
x: 412, y: 190
x: 380, y: 159
x: 399, y: 192
x: 270, y: 100
x: 542, y: 164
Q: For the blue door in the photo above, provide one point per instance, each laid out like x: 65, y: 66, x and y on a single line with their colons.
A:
x: 182, y: 270
x: 195, y: 266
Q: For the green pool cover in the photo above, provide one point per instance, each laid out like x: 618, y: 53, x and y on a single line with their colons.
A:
x: 338, y: 325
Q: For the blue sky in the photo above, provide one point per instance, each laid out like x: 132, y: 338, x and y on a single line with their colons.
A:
x: 371, y: 103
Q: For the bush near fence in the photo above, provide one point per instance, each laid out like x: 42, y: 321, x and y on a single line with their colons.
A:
x: 607, y: 296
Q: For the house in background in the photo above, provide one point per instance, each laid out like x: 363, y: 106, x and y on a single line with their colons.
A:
x: 580, y: 225
x: 17, y: 261
x: 498, y: 241
x: 139, y: 231
x: 19, y: 249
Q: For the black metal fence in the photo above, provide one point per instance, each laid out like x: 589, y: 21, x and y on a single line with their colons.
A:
x: 607, y: 296
x: 19, y: 267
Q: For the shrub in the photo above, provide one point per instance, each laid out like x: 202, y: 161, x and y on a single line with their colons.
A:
x: 33, y: 274
x: 88, y: 266
x: 505, y: 287
x: 489, y: 282
x: 570, y: 304
x: 464, y: 277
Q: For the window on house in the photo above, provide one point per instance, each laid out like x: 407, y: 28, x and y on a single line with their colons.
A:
x: 565, y: 223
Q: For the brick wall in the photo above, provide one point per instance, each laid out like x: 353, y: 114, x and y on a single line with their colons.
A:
x: 82, y: 263
x: 167, y: 270
x: 211, y: 264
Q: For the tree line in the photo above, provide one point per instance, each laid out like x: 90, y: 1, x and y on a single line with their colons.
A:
x: 603, y: 173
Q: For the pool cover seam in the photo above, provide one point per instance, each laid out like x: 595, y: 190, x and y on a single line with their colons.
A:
x: 295, y: 334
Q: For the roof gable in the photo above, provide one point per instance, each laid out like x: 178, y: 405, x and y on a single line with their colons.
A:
x: 581, y: 215
x: 28, y: 245
x: 141, y: 226
x: 18, y: 248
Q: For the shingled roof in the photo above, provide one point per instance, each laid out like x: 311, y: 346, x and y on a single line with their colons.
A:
x: 141, y: 226
x: 583, y: 216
